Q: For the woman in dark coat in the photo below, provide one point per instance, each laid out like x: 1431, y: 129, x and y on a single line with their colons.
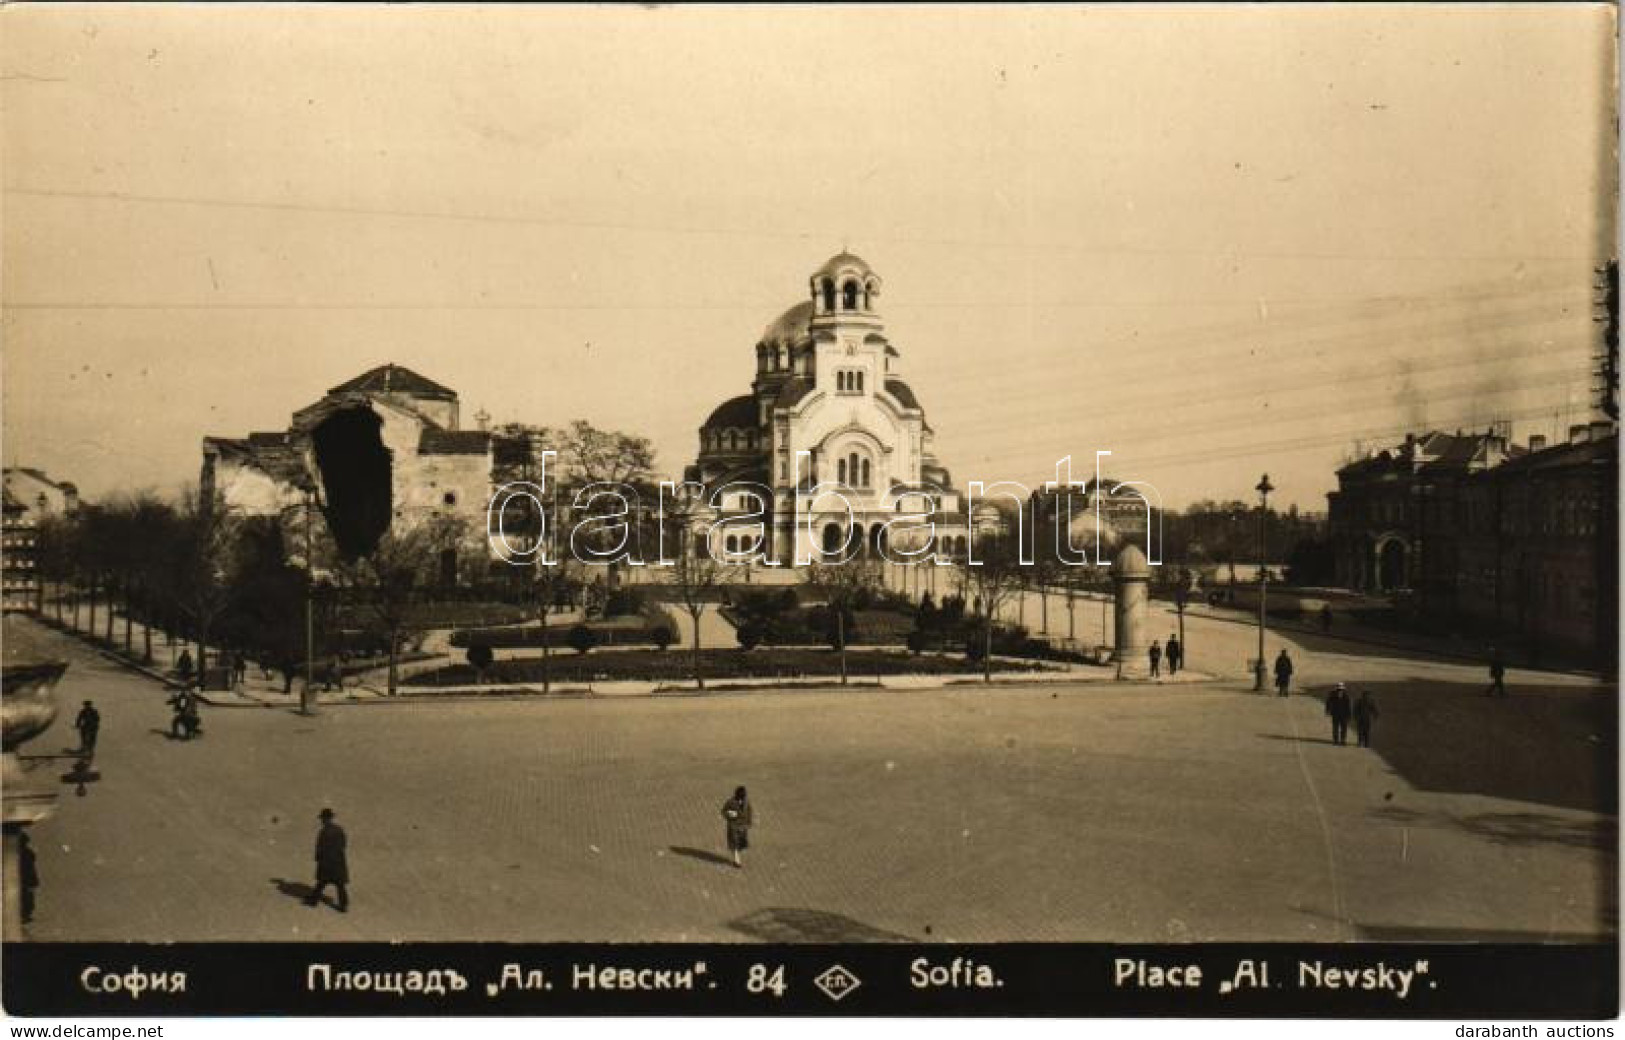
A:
x: 736, y: 811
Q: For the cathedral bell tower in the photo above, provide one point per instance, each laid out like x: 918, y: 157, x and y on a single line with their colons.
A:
x: 845, y: 294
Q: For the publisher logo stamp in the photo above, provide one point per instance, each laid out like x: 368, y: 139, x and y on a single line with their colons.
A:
x: 836, y: 982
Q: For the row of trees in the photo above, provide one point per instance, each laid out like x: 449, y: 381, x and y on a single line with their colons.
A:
x: 218, y: 579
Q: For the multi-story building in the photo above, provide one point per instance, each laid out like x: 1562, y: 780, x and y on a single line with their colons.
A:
x: 39, y: 494
x: 18, y: 556
x: 1516, y: 543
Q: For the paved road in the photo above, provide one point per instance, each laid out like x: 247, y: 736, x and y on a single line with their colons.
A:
x: 1089, y: 812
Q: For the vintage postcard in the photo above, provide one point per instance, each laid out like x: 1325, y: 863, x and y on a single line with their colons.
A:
x: 965, y: 510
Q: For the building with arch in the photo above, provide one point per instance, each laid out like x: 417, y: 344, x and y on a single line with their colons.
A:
x: 830, y: 448
x: 382, y: 451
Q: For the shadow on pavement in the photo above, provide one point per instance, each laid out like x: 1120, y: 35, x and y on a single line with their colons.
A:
x: 294, y: 889
x: 1299, y: 740
x: 797, y: 925
x: 1554, y: 745
x: 1514, y: 828
x: 701, y: 854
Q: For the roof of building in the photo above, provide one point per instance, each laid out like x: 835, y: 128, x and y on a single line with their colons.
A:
x: 1437, y: 451
x: 40, y: 476
x: 900, y: 390
x: 843, y: 261
x: 789, y: 328
x: 434, y: 441
x: 280, y: 461
x: 734, y: 412
x: 791, y: 393
x: 394, y: 379
x: 1569, y: 453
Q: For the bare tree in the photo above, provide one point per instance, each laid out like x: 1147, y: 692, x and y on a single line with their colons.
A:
x: 996, y: 575
x: 389, y: 578
x: 844, y: 585
x: 695, y: 576
x: 552, y: 584
x: 202, y: 560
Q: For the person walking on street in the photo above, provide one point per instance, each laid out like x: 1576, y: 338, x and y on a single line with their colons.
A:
x: 89, y: 724
x: 1156, y: 658
x: 1176, y: 654
x: 736, y: 811
x: 186, y: 723
x: 1365, y: 714
x: 1283, y: 674
x: 332, y: 865
x: 1498, y: 675
x: 1338, y: 709
x: 1326, y: 617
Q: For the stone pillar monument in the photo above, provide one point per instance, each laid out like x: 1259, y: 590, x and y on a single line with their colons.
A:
x: 1131, y: 580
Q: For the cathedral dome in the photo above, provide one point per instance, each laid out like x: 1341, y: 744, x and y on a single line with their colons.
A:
x: 736, y: 412
x: 790, y: 328
x: 844, y: 262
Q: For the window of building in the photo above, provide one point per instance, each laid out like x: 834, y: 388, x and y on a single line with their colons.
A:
x: 829, y: 295
x: 849, y: 296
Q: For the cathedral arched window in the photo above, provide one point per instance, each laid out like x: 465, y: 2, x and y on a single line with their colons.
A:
x: 849, y: 296
x: 863, y: 476
x: 829, y: 295
x: 869, y: 296
x: 859, y: 377
x: 832, y: 537
x: 840, y: 471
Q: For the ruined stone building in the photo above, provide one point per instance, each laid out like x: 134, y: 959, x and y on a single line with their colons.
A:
x: 383, y: 451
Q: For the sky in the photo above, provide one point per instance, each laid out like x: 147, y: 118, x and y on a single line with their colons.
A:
x: 1212, y: 240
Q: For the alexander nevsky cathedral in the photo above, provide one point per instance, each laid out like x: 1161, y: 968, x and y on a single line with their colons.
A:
x: 828, y: 407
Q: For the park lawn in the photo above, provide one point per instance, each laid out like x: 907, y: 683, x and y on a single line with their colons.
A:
x: 677, y: 665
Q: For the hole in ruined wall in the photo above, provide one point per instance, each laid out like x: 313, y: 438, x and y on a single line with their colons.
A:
x: 355, y: 469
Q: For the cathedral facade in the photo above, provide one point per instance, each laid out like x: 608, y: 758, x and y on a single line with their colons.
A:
x: 831, y: 451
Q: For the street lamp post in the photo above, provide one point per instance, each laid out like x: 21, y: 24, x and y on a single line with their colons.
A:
x: 1264, y: 488
x: 1182, y: 597
x: 307, y: 696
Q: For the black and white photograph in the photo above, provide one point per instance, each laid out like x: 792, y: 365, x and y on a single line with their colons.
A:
x: 941, y: 511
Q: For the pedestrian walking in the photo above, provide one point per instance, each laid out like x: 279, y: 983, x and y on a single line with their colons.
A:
x: 89, y: 724
x: 737, y: 812
x: 1338, y: 709
x: 1156, y: 658
x: 183, y: 667
x: 332, y: 865
x: 1283, y: 674
x: 1498, y: 675
x: 239, y: 669
x: 1176, y: 654
x: 28, y: 874
x: 1365, y: 715
x: 186, y: 723
x: 1326, y: 617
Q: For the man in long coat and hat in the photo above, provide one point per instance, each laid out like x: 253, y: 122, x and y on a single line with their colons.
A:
x: 332, y: 868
